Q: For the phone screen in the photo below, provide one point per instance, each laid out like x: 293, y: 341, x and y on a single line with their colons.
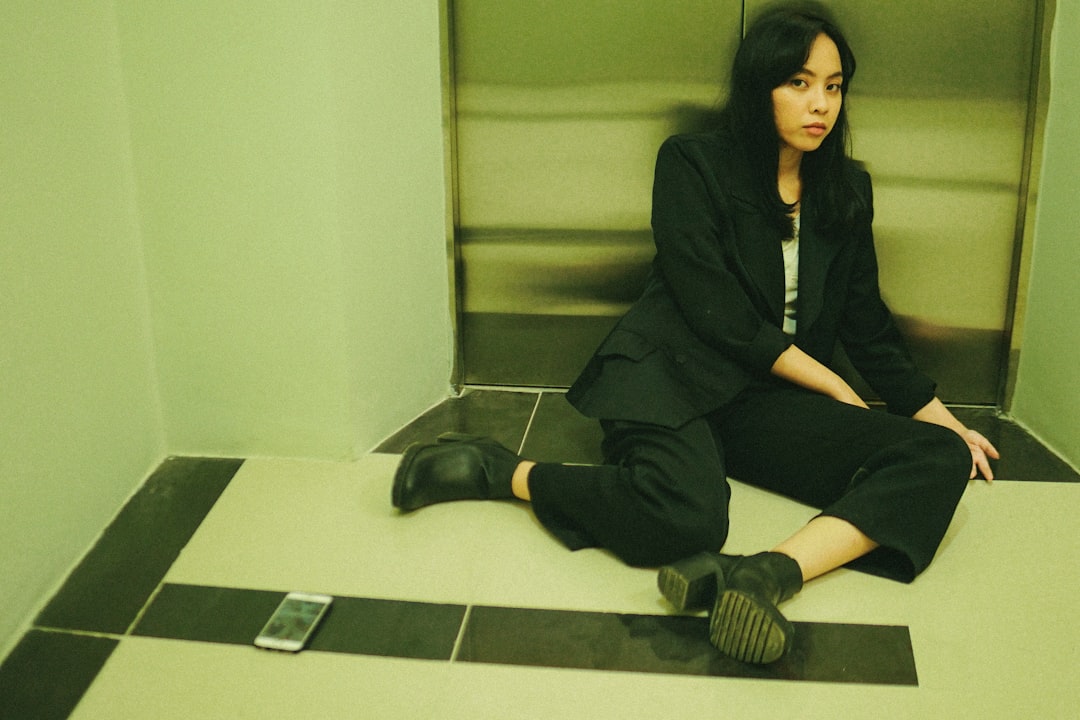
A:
x: 292, y: 622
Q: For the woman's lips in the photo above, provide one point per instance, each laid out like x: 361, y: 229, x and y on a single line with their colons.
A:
x: 816, y: 129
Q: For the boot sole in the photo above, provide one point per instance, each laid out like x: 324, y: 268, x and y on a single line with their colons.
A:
x: 397, y: 491
x: 749, y: 629
x: 691, y: 584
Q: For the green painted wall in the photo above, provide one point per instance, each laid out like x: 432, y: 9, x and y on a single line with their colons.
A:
x: 1047, y: 392
x: 222, y: 232
x: 291, y: 187
x: 80, y: 422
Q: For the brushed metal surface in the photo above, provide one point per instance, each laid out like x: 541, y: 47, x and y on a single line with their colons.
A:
x: 561, y: 106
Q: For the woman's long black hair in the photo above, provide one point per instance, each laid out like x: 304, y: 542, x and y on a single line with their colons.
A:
x: 775, y: 48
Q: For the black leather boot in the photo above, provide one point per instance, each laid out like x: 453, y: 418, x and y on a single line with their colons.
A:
x: 745, y: 622
x: 457, y: 467
x: 693, y: 583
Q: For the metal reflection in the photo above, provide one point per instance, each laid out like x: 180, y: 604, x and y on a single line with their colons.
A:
x: 561, y: 105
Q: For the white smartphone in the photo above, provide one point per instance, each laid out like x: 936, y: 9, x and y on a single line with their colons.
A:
x: 292, y: 624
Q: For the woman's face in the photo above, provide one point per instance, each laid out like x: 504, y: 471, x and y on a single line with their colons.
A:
x: 807, y: 104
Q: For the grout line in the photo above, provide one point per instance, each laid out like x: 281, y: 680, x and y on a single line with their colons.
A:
x: 80, y: 633
x: 528, y: 425
x: 146, y: 606
x: 461, y: 633
x: 528, y: 389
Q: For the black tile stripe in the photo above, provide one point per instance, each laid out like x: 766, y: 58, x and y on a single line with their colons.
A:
x: 358, y: 626
x: 50, y: 669
x: 111, y: 585
x: 1023, y: 457
x: 559, y: 433
x: 207, y: 614
x: 47, y: 674
x: 823, y: 652
x: 502, y: 415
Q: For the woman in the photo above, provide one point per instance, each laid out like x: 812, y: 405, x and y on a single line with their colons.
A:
x: 764, y: 263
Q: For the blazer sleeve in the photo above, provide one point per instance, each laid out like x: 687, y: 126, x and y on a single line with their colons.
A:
x: 868, y: 331
x: 697, y: 257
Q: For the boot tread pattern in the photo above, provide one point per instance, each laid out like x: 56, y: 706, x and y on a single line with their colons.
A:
x: 674, y: 586
x: 744, y: 629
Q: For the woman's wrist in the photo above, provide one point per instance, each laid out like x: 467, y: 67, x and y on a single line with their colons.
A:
x: 935, y: 412
x: 846, y: 394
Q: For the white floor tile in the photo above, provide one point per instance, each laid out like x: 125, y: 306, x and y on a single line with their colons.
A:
x: 166, y: 679
x: 991, y: 621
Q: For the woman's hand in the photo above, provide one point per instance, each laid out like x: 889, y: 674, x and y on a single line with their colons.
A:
x: 981, y: 450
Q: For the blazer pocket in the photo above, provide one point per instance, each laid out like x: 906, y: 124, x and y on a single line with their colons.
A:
x: 622, y: 343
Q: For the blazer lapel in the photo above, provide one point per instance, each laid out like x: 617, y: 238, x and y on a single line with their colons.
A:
x: 760, y: 252
x: 816, y: 254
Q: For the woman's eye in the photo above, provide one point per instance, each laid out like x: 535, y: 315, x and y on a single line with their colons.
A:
x: 798, y: 82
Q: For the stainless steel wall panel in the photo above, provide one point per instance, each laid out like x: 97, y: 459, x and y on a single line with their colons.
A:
x: 561, y: 106
x: 566, y: 43
x: 965, y: 49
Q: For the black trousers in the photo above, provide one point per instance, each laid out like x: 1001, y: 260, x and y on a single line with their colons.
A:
x: 663, y: 493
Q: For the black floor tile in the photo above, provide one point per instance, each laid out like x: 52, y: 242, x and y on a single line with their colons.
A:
x: 393, y: 628
x: 1023, y: 457
x: 47, y: 674
x: 360, y: 626
x: 208, y: 614
x: 502, y: 415
x: 559, y: 433
x: 823, y: 652
x: 548, y: 638
x: 110, y: 586
x: 537, y: 349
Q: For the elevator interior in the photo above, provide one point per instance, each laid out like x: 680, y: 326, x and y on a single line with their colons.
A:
x: 558, y: 108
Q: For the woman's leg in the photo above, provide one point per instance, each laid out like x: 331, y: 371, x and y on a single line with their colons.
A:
x: 519, y: 482
x: 887, y: 485
x: 661, y: 496
x: 824, y: 544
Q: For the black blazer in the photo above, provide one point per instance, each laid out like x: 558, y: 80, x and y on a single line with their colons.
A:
x: 708, y: 323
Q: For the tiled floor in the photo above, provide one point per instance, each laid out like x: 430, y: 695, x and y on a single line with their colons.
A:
x: 471, y: 610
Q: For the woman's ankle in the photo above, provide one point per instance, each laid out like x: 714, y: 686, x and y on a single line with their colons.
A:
x: 519, y: 483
